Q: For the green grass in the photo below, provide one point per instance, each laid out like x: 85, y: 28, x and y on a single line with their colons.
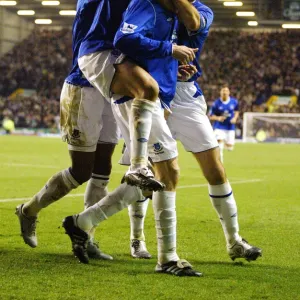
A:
x: 269, y: 213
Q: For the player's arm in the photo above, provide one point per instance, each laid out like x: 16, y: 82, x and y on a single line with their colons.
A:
x: 236, y: 115
x: 187, y: 14
x: 131, y: 40
x: 217, y: 118
x: 206, y: 16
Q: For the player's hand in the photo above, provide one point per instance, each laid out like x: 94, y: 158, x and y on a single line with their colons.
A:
x: 186, y: 72
x: 221, y: 119
x: 166, y: 114
x: 184, y: 54
x: 233, y: 121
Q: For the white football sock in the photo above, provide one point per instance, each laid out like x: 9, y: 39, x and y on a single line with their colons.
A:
x: 57, y: 187
x: 140, y: 123
x: 137, y: 213
x: 165, y: 223
x: 224, y: 203
x: 221, y: 147
x: 96, y: 190
x: 111, y: 204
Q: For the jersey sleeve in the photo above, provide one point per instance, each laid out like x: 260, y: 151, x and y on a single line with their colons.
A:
x: 206, y: 19
x: 212, y: 110
x: 139, y: 20
x: 236, y: 108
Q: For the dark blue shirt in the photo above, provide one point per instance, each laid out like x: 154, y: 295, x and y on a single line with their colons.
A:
x: 196, y: 39
x: 106, y: 22
x: 146, y: 36
x: 83, y: 20
x: 226, y: 109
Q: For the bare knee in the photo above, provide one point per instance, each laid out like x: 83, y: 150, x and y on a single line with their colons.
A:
x: 82, y: 165
x: 212, y: 167
x: 168, y: 172
x: 215, y: 175
x: 148, y: 90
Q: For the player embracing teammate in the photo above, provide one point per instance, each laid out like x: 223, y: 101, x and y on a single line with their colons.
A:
x: 133, y: 64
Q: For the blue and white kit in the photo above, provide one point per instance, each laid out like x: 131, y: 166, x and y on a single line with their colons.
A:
x: 225, y: 131
x: 138, y: 38
x: 188, y: 121
x: 86, y: 118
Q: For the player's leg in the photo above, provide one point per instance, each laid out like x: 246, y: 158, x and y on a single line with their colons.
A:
x: 230, y: 140
x: 97, y: 186
x: 220, y: 136
x: 96, y: 190
x: 223, y: 201
x: 163, y: 153
x: 77, y: 105
x: 192, y: 127
x: 165, y: 161
x: 137, y: 213
x: 81, y: 224
x: 111, y: 74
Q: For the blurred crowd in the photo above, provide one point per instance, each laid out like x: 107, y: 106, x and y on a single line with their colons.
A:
x: 40, y: 62
x: 31, y: 112
x: 255, y: 65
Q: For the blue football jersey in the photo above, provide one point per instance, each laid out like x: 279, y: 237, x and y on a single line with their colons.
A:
x: 227, y: 109
x: 196, y: 39
x: 106, y: 22
x: 83, y: 20
x: 146, y: 36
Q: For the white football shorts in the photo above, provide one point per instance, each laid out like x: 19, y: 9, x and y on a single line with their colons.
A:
x: 225, y: 135
x: 161, y: 145
x: 98, y: 68
x: 86, y: 118
x: 188, y: 122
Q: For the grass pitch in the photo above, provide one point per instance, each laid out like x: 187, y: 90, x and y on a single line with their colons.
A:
x: 266, y: 182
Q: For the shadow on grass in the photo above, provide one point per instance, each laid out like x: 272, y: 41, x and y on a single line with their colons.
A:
x: 62, y: 262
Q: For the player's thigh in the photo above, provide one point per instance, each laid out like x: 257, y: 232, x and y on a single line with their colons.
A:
x: 103, y: 159
x: 193, y: 129
x: 230, y: 139
x: 98, y: 68
x: 110, y: 132
x: 220, y: 135
x: 81, y: 111
x: 133, y: 81
x: 121, y: 113
x: 161, y: 144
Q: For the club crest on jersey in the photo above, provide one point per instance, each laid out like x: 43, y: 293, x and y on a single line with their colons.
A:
x: 128, y: 28
x: 158, y: 148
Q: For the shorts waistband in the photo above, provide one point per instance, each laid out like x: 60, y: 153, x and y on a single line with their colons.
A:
x: 185, y: 83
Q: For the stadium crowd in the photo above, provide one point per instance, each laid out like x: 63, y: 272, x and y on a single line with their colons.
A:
x: 42, y: 61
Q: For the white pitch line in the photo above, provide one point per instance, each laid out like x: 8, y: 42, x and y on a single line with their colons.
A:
x: 205, y: 184
x: 29, y: 165
x: 180, y: 187
x: 44, y: 167
x: 114, y: 171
